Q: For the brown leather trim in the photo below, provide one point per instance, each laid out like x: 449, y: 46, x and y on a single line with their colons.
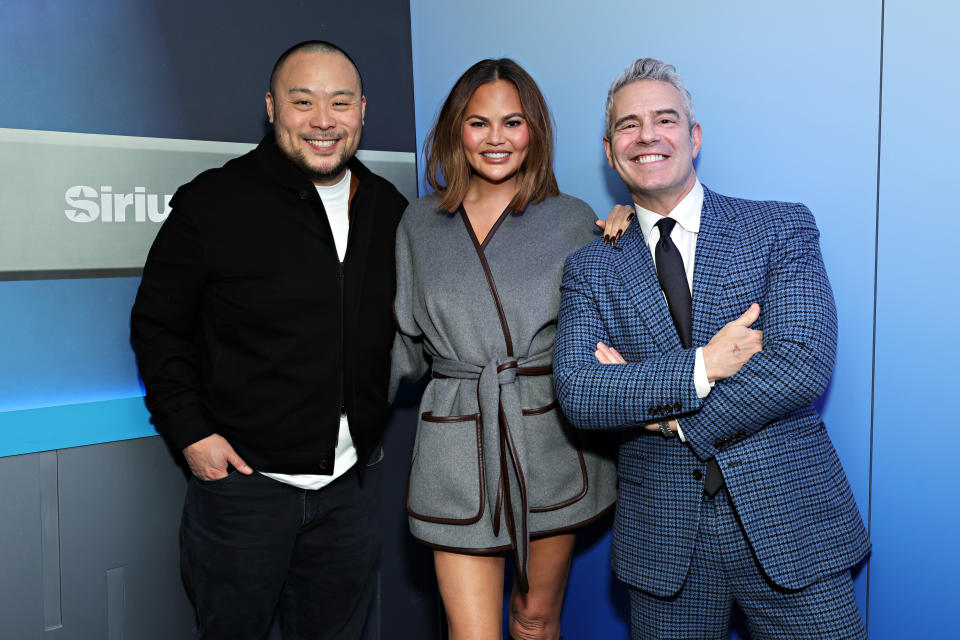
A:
x: 522, y: 581
x: 545, y: 370
x: 484, y: 551
x: 553, y: 532
x: 540, y: 410
x: 429, y: 417
x: 498, y: 506
x: 569, y: 501
x: 537, y: 535
x: 486, y: 270
x: 583, y: 465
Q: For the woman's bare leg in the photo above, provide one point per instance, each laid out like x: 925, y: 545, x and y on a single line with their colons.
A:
x: 535, y: 615
x: 472, y: 592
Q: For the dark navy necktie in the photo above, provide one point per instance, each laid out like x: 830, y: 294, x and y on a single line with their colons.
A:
x: 673, y: 281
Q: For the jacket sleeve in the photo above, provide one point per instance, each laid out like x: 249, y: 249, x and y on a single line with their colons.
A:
x: 165, y: 323
x: 799, y: 344
x: 611, y: 396
x: 407, y: 357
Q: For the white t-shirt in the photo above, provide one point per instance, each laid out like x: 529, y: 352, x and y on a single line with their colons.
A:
x: 336, y: 202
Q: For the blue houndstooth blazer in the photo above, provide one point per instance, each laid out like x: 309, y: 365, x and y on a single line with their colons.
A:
x: 778, y: 463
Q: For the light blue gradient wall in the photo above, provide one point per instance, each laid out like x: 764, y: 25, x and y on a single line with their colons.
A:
x: 916, y: 508
x: 788, y: 96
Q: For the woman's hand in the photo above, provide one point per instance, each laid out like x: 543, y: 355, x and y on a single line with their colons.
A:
x: 617, y: 222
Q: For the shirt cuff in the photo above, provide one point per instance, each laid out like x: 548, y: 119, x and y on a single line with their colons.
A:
x: 700, y: 381
x: 680, y: 432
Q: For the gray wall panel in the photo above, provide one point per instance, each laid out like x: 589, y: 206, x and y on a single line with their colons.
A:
x: 120, y: 509
x: 21, y: 588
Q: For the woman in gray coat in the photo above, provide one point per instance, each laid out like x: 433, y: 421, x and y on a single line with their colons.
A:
x: 495, y: 467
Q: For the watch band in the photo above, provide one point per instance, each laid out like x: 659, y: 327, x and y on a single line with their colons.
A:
x: 665, y: 429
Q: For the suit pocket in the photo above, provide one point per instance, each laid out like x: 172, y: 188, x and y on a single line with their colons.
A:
x: 556, y: 473
x: 446, y: 482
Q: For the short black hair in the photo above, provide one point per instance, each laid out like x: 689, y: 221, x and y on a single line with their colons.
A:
x: 312, y: 46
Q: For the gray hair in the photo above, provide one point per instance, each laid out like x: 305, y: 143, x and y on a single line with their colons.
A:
x: 650, y: 69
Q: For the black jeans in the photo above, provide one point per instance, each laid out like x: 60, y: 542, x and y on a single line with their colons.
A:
x: 251, y: 545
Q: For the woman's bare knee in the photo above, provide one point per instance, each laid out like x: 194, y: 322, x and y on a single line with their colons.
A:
x: 533, y: 624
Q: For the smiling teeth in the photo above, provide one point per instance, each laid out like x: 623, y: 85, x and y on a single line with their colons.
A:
x: 322, y: 143
x: 646, y: 159
x: 496, y: 155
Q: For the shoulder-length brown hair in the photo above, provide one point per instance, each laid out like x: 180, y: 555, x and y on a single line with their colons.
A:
x: 448, y: 171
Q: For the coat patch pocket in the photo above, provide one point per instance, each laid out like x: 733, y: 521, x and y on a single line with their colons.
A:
x: 557, y: 473
x: 446, y: 482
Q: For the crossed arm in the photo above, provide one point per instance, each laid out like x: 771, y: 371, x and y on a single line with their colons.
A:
x: 754, y: 387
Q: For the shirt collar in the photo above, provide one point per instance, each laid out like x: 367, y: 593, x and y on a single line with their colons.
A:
x: 686, y: 213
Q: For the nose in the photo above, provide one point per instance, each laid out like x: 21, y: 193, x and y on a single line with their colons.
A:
x: 495, y: 134
x: 321, y: 118
x: 647, y: 133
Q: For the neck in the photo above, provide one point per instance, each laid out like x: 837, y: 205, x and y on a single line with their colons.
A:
x: 663, y: 202
x: 483, y: 190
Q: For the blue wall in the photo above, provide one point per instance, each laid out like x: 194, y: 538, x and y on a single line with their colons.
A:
x: 916, y: 508
x: 789, y: 96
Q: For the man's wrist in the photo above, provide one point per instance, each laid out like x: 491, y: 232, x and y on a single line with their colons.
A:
x: 701, y: 382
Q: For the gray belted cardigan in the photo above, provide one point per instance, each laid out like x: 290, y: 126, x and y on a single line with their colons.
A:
x: 495, y: 461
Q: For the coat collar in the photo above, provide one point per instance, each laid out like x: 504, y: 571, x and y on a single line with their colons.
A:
x: 281, y: 170
x: 637, y: 273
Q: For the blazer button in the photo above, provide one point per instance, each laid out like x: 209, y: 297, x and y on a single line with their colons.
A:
x: 677, y: 406
x: 654, y: 411
x: 697, y: 474
x: 323, y: 465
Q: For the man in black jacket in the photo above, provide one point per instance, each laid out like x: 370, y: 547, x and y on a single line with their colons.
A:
x: 263, y: 329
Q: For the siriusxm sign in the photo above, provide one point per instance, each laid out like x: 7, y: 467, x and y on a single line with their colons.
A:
x: 84, y: 205
x: 106, y: 206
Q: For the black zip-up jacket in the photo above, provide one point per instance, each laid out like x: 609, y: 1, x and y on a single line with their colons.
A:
x: 246, y: 324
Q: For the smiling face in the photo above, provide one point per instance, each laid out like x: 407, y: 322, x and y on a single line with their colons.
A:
x: 652, y: 145
x: 495, y: 133
x: 316, y: 108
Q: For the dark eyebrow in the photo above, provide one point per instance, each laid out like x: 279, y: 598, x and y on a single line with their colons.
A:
x: 667, y: 112
x: 338, y: 92
x: 620, y: 121
x: 658, y: 112
x: 506, y: 117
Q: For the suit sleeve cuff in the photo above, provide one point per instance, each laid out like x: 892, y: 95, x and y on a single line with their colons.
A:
x: 700, y: 381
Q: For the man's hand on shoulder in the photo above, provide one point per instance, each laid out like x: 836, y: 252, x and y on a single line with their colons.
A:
x: 209, y: 458
x: 733, y: 345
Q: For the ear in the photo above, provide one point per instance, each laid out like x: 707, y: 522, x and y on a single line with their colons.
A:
x: 269, y: 100
x: 609, y: 151
x: 696, y: 136
x: 363, y: 109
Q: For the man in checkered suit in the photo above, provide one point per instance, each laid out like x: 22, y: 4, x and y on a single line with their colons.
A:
x: 706, y: 349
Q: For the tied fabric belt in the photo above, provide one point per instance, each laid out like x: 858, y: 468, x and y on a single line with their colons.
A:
x: 503, y: 443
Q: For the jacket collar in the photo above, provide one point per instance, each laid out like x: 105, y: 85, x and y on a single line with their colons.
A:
x: 715, y: 242
x: 282, y: 171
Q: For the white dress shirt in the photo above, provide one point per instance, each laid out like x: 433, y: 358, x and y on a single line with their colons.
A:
x: 684, y: 236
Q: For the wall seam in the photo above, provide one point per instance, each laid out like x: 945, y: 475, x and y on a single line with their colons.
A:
x: 876, y: 277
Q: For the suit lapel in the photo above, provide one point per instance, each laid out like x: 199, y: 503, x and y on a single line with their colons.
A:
x: 638, y: 276
x: 715, y: 243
